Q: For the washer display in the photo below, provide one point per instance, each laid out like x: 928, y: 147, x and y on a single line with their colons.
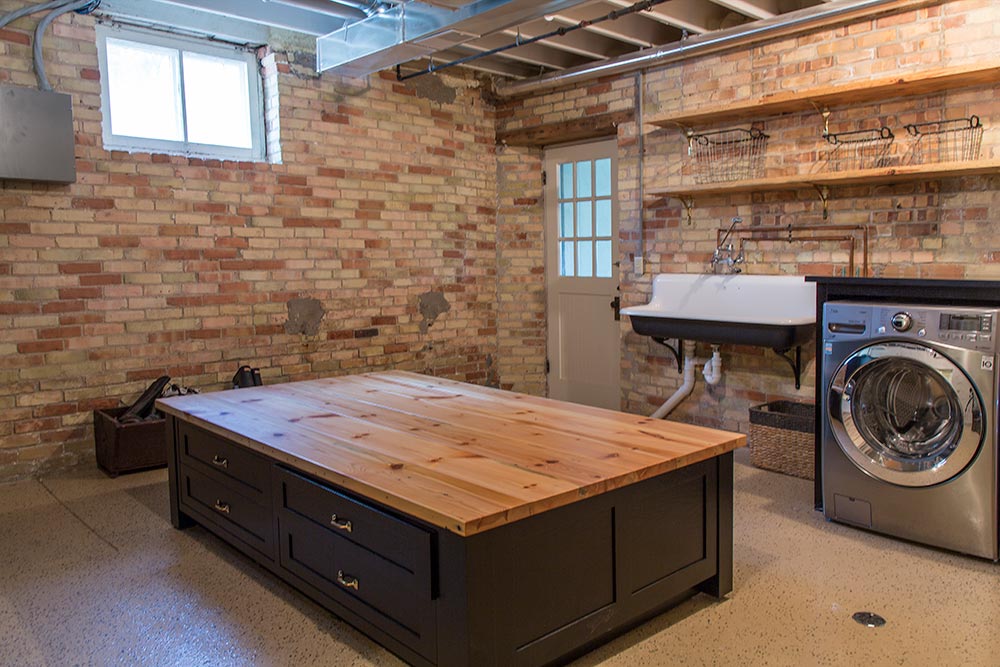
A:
x: 909, y: 444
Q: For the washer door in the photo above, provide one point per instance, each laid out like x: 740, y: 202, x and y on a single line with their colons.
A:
x: 905, y: 413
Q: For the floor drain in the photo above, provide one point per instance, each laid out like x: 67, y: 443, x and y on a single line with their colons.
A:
x: 871, y: 619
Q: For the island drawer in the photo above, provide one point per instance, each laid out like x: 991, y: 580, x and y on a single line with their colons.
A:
x: 219, y: 503
x: 390, y: 597
x: 224, y: 457
x: 394, y: 539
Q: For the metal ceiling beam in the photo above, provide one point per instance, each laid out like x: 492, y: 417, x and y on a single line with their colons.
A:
x: 632, y: 29
x: 535, y: 54
x: 588, y: 45
x: 695, y: 16
x: 755, y: 9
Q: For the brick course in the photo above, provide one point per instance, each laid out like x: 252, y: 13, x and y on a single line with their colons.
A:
x: 158, y: 264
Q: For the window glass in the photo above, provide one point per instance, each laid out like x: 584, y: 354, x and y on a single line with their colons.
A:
x: 603, y: 210
x: 163, y: 93
x: 602, y: 178
x: 566, y: 180
x: 585, y: 259
x: 217, y: 95
x: 583, y: 178
x: 144, y: 85
x: 603, y: 259
x: 566, y: 258
x: 566, y: 220
x: 584, y: 219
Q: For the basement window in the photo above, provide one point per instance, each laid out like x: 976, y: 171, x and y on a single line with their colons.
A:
x: 181, y: 96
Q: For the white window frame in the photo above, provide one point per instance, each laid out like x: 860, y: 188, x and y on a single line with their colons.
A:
x: 257, y: 151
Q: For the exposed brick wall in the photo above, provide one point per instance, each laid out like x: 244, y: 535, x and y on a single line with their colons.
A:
x: 935, y: 229
x: 152, y: 264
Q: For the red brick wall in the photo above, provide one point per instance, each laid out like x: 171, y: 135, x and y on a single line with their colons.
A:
x: 935, y: 229
x: 152, y: 264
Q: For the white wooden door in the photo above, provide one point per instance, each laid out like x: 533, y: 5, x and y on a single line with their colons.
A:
x: 581, y: 225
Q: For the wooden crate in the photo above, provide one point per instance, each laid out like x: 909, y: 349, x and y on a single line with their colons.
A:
x: 128, y: 447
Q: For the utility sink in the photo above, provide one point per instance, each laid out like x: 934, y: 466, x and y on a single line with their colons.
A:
x: 771, y: 311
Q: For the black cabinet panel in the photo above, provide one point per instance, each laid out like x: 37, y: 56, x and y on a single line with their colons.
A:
x: 385, y: 594
x: 226, y: 458
x: 401, y: 542
x: 561, y: 572
x: 650, y: 548
x: 239, y: 513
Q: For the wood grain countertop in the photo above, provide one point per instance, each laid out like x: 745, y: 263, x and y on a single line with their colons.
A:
x: 459, y: 456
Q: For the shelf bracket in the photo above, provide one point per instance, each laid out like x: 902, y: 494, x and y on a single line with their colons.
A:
x: 675, y: 350
x: 796, y: 364
x: 824, y: 195
x: 687, y: 203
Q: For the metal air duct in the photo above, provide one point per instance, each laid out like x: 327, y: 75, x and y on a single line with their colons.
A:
x: 414, y: 30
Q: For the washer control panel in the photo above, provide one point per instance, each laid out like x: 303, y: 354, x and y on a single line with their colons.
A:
x: 972, y: 328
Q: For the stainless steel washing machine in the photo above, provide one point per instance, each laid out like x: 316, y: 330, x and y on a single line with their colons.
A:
x: 909, y: 434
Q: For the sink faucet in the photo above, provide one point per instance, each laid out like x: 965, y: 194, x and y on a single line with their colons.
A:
x: 724, y: 252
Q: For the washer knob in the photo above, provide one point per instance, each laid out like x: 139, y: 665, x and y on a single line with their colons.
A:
x: 901, y: 321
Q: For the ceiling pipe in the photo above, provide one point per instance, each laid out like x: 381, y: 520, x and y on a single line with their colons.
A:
x: 783, y: 25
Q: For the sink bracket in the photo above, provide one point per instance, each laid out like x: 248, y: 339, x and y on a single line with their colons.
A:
x: 796, y: 364
x: 675, y: 350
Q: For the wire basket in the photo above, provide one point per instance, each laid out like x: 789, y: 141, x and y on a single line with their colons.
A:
x: 953, y: 140
x: 859, y: 149
x: 727, y: 155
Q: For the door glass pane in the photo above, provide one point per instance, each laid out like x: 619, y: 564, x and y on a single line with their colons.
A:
x: 585, y: 259
x: 906, y: 409
x: 603, y: 210
x: 566, y: 220
x: 565, y: 180
x: 604, y: 259
x: 217, y: 99
x: 602, y: 169
x: 584, y: 219
x: 583, y: 178
x: 566, y: 258
x: 144, y: 90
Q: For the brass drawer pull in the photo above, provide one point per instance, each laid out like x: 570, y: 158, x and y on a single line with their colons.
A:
x: 219, y: 461
x: 342, y: 524
x: 221, y: 507
x: 346, y: 580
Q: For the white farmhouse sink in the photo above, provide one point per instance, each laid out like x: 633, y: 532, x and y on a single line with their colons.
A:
x: 772, y: 311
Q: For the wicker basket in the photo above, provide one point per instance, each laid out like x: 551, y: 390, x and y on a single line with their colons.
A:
x: 782, y: 437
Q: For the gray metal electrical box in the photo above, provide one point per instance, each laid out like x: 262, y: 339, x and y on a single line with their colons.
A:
x: 36, y: 135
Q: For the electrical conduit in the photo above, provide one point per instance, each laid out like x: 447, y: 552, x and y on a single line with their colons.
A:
x: 712, y: 372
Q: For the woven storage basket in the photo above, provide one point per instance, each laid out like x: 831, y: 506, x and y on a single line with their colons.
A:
x: 782, y: 437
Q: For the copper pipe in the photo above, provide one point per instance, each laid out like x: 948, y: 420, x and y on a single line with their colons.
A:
x: 792, y: 231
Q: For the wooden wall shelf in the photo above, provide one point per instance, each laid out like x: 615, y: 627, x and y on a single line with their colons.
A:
x: 898, y: 174
x: 924, y: 82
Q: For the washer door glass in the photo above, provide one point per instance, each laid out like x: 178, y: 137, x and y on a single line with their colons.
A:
x: 905, y: 413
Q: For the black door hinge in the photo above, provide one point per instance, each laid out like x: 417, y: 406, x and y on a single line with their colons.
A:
x: 547, y: 367
x: 545, y: 178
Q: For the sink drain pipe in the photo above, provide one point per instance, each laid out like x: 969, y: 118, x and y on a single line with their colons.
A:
x: 712, y: 372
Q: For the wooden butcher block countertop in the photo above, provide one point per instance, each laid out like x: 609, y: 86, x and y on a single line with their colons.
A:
x: 459, y: 456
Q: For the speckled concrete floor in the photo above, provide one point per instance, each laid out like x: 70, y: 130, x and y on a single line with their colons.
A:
x: 91, y: 572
